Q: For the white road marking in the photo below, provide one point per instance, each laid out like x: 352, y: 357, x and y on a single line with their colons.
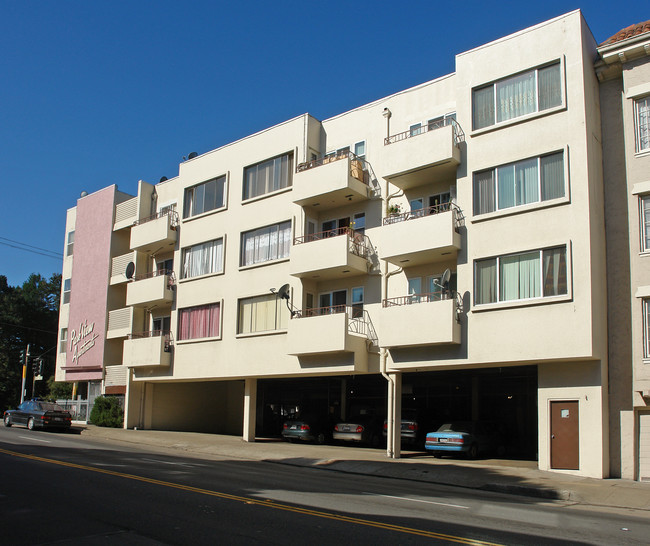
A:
x: 420, y: 500
x: 170, y: 462
x: 35, y: 439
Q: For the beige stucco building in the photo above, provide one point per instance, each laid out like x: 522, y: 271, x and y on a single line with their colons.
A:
x: 442, y: 250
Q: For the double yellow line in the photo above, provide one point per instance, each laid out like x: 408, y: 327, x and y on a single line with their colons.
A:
x: 249, y: 500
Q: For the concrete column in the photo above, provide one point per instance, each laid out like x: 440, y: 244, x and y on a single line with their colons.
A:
x: 397, y: 416
x: 390, y: 418
x: 250, y: 406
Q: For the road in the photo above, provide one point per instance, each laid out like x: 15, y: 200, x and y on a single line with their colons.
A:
x: 67, y: 489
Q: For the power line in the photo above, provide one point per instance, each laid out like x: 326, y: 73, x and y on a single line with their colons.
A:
x: 47, y: 253
x: 27, y: 328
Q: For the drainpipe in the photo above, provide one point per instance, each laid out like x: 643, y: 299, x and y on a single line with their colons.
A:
x: 383, y: 357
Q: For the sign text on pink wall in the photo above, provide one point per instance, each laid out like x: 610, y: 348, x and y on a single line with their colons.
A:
x: 82, y: 340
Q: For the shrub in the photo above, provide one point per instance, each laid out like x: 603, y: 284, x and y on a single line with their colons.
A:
x: 107, y: 412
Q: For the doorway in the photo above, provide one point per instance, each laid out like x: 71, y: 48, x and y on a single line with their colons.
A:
x: 565, y: 435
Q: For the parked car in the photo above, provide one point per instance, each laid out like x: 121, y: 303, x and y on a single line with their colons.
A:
x: 308, y: 428
x: 470, y: 438
x: 365, y: 427
x: 414, y: 425
x: 38, y: 414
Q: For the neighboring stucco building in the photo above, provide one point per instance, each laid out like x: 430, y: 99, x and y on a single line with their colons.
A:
x: 624, y: 73
x: 441, y: 249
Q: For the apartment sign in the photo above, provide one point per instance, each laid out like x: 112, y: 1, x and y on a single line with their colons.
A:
x: 82, y: 340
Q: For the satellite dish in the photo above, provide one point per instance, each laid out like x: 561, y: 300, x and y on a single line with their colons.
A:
x: 130, y: 270
x: 163, y: 179
x: 284, y: 292
x: 444, y: 280
x: 83, y: 193
x: 192, y: 155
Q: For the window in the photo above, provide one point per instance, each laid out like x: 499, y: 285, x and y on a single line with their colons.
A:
x: 63, y: 340
x: 204, y: 197
x: 515, y: 184
x: 199, y: 322
x: 642, y: 123
x: 357, y: 302
x: 266, y: 244
x: 67, y: 286
x: 646, y: 328
x: 202, y: 259
x: 161, y: 325
x: 526, y: 93
x: 360, y: 149
x: 165, y: 266
x: 441, y: 121
x: 262, y: 314
x: 268, y: 176
x: 415, y: 129
x: 333, y: 302
x: 536, y: 274
x: 644, y: 215
x: 70, y: 245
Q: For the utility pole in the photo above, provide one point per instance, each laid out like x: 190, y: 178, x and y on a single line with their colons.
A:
x: 22, y: 387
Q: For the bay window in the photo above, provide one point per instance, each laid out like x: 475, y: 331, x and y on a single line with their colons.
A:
x: 265, y: 244
x: 202, y: 259
x: 642, y: 123
x: 520, y: 183
x: 203, y: 321
x: 262, y: 314
x: 268, y: 176
x: 204, y: 197
x: 528, y: 275
x: 526, y: 93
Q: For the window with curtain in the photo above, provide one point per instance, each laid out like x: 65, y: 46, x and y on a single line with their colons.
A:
x: 266, y: 244
x: 515, y: 184
x: 204, y: 197
x: 262, y: 314
x: 268, y: 176
x: 646, y: 328
x: 642, y: 123
x: 528, y: 275
x: 202, y: 259
x: 644, y: 228
x: 199, y: 322
x: 516, y: 96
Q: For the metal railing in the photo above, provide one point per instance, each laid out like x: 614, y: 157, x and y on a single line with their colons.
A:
x: 358, y: 243
x: 158, y: 273
x: 438, y: 295
x: 421, y: 213
x: 154, y: 333
x: 173, y: 218
x: 459, y: 134
x: 358, y: 318
x: 357, y: 164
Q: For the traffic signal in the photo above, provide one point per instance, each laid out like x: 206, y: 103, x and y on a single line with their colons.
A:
x: 22, y: 356
x: 39, y: 366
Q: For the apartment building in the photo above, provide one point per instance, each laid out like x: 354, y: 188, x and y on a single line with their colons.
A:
x: 624, y: 72
x: 440, y: 250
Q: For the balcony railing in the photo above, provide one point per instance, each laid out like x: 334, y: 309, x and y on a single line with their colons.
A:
x: 154, y: 333
x: 395, y: 218
x: 358, y: 243
x: 438, y: 295
x: 158, y: 273
x: 173, y: 218
x: 459, y: 134
x: 358, y: 165
x: 358, y: 319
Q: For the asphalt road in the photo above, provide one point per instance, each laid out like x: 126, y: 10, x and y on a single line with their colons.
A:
x: 67, y: 489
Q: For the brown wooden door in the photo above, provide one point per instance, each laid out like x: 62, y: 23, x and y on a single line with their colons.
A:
x: 565, y: 435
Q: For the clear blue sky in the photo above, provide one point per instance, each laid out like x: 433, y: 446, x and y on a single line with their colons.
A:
x: 98, y: 93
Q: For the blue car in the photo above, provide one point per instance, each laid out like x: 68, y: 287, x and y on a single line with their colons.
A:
x: 468, y: 438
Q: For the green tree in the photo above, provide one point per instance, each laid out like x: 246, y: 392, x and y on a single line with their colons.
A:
x: 28, y: 315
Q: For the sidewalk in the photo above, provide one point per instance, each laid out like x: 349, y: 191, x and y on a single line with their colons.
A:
x: 514, y: 477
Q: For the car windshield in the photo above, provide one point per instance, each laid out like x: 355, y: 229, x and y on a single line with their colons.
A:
x: 49, y: 406
x: 456, y: 427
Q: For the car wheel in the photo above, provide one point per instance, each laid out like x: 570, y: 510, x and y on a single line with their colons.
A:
x: 473, y: 452
x: 7, y: 420
x: 320, y: 438
x: 30, y: 423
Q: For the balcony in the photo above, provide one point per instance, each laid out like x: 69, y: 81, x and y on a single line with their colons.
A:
x: 330, y: 331
x: 424, y: 155
x: 331, y: 181
x: 422, y: 236
x: 331, y: 254
x: 419, y: 319
x: 147, y: 349
x: 119, y: 265
x: 155, y: 233
x: 152, y: 289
